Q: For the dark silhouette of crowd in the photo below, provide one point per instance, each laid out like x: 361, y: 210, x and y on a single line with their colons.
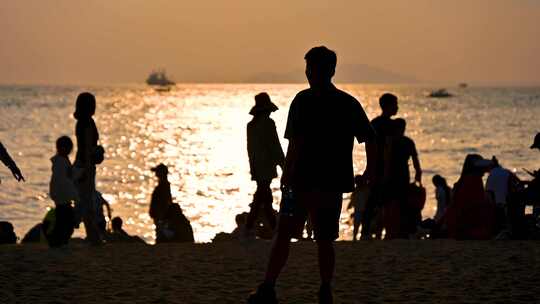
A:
x: 322, y: 125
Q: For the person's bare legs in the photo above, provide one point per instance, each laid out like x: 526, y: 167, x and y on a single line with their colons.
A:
x: 355, y: 228
x: 327, y: 260
x: 280, y: 250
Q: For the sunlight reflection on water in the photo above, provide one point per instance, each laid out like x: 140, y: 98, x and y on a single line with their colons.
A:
x: 199, y: 132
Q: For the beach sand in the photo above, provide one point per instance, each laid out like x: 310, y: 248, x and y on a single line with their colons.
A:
x: 367, y: 272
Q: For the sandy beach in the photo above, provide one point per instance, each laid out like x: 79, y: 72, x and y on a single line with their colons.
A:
x: 367, y: 272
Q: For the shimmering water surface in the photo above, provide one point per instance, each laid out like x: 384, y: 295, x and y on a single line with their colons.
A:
x: 199, y: 132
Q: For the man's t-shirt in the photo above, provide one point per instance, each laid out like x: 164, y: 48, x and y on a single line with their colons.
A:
x: 327, y: 122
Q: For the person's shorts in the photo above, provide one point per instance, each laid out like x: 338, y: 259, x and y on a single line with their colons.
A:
x: 323, y: 209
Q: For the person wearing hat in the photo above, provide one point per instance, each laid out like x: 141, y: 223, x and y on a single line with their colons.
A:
x: 265, y: 153
x: 322, y: 124
x: 161, y: 200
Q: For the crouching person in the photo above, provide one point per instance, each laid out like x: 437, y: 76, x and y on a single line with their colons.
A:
x: 171, y: 224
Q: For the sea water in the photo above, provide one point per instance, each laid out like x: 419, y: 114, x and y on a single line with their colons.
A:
x: 199, y: 131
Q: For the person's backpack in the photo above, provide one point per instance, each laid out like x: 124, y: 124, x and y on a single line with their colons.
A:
x: 7, y: 234
x: 183, y: 232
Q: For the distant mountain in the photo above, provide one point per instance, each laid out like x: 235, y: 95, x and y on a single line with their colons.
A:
x: 346, y: 73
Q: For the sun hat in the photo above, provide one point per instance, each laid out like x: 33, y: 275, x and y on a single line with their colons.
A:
x: 263, y: 104
x: 160, y: 169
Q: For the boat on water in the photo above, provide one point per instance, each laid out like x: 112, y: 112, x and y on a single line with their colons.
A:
x: 440, y: 93
x: 463, y: 85
x: 159, y: 78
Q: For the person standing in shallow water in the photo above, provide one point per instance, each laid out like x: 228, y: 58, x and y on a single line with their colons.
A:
x: 321, y: 127
x: 265, y: 154
x: 85, y: 162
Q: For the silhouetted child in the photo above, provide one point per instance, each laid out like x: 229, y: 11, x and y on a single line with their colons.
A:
x: 118, y: 234
x: 160, y: 203
x: 63, y: 192
x: 358, y: 201
x: 443, y: 195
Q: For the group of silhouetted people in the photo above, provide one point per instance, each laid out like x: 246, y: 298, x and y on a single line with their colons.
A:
x: 323, y: 123
x: 72, y: 188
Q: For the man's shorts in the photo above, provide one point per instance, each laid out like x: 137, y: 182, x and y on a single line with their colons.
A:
x: 323, y: 209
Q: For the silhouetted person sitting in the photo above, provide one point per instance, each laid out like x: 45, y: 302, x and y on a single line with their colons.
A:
x: 179, y: 224
x: 398, y: 151
x: 265, y: 154
x: 321, y: 127
x: 161, y: 201
x: 63, y: 192
x: 383, y: 125
x: 471, y: 214
x: 500, y: 183
x: 443, y: 196
x: 7, y: 233
x: 171, y: 224
x: 118, y: 234
x: 10, y: 163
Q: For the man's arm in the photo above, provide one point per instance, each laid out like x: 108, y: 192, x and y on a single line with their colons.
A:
x: 10, y: 163
x: 293, y: 151
x: 276, y: 146
x: 371, y: 166
x: 416, y: 165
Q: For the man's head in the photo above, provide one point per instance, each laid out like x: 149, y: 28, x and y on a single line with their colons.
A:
x: 399, y: 126
x: 389, y: 104
x: 161, y: 171
x: 320, y: 66
x: 117, y: 224
x: 64, y: 146
x: 536, y: 143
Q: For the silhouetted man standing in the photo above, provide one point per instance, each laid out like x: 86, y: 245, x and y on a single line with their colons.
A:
x: 322, y: 124
x: 10, y: 163
x: 265, y: 153
x: 383, y: 125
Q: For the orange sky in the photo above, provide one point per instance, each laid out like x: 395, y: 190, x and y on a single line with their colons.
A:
x: 102, y: 41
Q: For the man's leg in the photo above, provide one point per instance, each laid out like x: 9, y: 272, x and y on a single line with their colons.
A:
x: 369, y: 214
x: 278, y: 254
x: 325, y: 215
x: 327, y: 260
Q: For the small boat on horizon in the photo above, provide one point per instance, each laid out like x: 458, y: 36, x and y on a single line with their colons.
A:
x: 440, y: 93
x: 159, y: 78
